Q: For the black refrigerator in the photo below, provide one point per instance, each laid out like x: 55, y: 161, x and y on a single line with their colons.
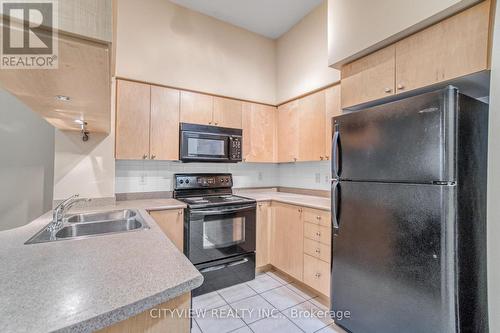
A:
x: 409, y: 215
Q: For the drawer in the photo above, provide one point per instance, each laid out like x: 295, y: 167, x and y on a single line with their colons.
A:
x: 318, y: 233
x: 317, y: 249
x: 317, y: 274
x: 315, y: 216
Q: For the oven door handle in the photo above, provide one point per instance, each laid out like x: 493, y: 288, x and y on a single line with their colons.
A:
x: 219, y: 267
x: 223, y: 211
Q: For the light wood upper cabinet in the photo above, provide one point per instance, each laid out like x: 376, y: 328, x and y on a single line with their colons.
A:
x: 164, y: 134
x: 227, y: 112
x: 259, y: 133
x: 449, y: 49
x: 147, y: 122
x: 171, y: 223
x: 287, y: 239
x: 132, y: 120
x: 332, y: 101
x: 311, y: 126
x: 288, y: 129
x: 196, y: 108
x: 369, y: 78
x: 263, y: 234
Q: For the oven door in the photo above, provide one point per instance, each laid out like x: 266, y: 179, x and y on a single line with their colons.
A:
x: 205, y: 147
x: 219, y: 232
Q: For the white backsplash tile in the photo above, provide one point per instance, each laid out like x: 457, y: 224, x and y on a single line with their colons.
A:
x: 154, y: 176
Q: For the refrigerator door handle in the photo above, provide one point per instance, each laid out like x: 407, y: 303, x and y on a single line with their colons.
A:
x: 335, y: 207
x: 335, y: 152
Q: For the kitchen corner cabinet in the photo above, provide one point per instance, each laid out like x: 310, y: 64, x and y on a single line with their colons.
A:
x: 287, y: 237
x: 147, y: 121
x: 311, y: 126
x: 369, y: 78
x: 171, y: 223
x: 332, y: 105
x: 454, y: 47
x: 288, y: 129
x: 204, y: 109
x: 263, y: 235
x: 259, y: 133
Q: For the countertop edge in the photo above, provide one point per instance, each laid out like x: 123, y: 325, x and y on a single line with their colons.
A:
x: 128, y: 311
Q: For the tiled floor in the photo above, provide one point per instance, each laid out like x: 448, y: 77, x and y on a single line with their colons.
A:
x: 270, y: 303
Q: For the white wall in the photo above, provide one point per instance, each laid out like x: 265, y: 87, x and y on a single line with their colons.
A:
x: 27, y: 163
x: 302, y: 57
x: 85, y: 168
x: 494, y: 183
x: 157, y: 176
x: 358, y: 27
x: 160, y: 42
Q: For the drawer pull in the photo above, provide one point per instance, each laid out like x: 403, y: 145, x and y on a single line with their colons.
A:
x: 318, y: 217
x: 318, y: 251
x: 317, y: 275
x: 318, y: 234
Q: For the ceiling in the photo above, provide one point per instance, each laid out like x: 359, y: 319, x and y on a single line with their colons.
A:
x: 270, y: 18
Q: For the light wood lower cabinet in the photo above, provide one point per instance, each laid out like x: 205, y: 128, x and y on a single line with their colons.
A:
x: 259, y: 133
x: 161, y: 318
x: 263, y: 234
x: 287, y: 237
x: 317, y: 274
x: 317, y: 249
x: 318, y: 233
x: 171, y: 223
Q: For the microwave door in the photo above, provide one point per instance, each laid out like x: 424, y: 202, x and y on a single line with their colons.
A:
x: 204, y: 147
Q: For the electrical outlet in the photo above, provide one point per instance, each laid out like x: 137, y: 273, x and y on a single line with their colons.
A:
x: 143, y: 180
x: 317, y: 176
x: 260, y: 175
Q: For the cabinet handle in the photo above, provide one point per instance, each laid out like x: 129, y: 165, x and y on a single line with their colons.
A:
x: 300, y: 210
x: 317, y: 275
x: 318, y: 217
x: 327, y: 157
x: 295, y: 159
x: 210, y: 123
x: 145, y: 156
x: 179, y: 212
x: 216, y: 123
x: 387, y: 90
x: 321, y: 158
x: 153, y: 156
x: 401, y: 86
x: 318, y: 234
x: 318, y: 251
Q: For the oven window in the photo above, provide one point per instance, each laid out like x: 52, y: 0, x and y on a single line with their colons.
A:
x: 223, y: 232
x: 198, y: 146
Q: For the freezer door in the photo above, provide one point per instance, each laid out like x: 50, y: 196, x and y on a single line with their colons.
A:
x: 411, y: 140
x: 392, y: 261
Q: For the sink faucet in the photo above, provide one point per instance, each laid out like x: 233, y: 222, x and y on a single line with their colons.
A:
x: 61, y: 209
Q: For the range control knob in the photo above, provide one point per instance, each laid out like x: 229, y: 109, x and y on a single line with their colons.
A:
x: 187, y: 181
x: 181, y: 181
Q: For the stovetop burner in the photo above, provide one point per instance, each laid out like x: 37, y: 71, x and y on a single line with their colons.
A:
x: 215, y: 200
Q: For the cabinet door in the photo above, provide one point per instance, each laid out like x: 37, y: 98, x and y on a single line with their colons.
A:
x: 263, y: 237
x: 369, y: 78
x: 196, y: 108
x: 449, y: 49
x: 317, y: 274
x: 164, y: 132
x: 332, y: 100
x: 312, y: 127
x: 171, y: 223
x: 259, y: 133
x: 288, y: 129
x: 287, y: 240
x: 132, y: 120
x: 227, y: 112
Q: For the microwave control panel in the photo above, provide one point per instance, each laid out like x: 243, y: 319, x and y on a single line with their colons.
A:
x: 235, y: 148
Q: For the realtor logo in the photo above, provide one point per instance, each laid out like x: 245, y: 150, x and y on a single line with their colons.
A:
x: 29, y: 32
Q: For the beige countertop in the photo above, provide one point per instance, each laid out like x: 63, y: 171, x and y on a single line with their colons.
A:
x: 310, y: 201
x: 82, y: 285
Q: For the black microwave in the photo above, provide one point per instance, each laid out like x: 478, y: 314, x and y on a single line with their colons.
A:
x: 202, y: 143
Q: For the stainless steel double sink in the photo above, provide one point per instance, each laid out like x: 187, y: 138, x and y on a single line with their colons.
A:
x: 83, y: 225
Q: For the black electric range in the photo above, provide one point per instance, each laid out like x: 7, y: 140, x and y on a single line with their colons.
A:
x: 219, y: 229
